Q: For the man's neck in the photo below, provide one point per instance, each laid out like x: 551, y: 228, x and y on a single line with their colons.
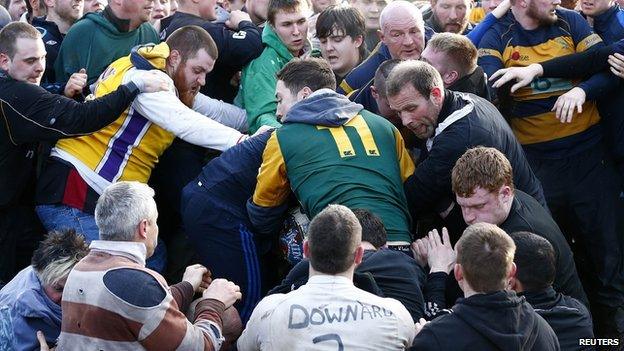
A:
x: 368, y: 246
x: 131, y: 23
x: 525, y: 21
x: 191, y: 10
x: 62, y: 24
x: 347, y: 274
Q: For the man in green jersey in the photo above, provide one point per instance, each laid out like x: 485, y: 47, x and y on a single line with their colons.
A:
x: 329, y: 151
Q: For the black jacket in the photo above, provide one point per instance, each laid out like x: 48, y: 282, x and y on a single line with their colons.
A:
x: 30, y: 114
x: 473, y: 83
x: 429, y: 188
x: 567, y: 316
x: 395, y: 274
x: 236, y: 49
x: 496, y: 321
x: 526, y: 215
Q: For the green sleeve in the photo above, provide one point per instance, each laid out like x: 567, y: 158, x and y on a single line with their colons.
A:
x: 259, y: 99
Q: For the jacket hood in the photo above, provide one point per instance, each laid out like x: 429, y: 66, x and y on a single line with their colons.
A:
x: 150, y: 56
x: 324, y: 107
x: 270, y: 39
x: 502, y: 318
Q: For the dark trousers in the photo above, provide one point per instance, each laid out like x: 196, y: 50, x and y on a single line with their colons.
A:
x: 583, y: 194
x: 20, y: 232
x: 223, y: 243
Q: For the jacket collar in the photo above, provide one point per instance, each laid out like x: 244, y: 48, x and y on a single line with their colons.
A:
x: 131, y: 250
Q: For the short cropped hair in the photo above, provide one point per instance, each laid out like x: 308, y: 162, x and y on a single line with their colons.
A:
x: 535, y: 261
x: 57, y: 254
x: 458, y: 48
x: 344, y: 19
x: 284, y: 5
x: 120, y: 209
x: 188, y: 40
x: 486, y: 254
x: 421, y: 75
x: 333, y: 238
x: 382, y: 73
x: 13, y: 31
x: 313, y: 73
x: 483, y: 167
x: 373, y: 229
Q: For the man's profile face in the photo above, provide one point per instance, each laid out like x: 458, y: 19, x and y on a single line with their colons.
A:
x: 404, y: 35
x: 16, y: 9
x: 441, y: 62
x: 450, y: 15
x: 69, y: 10
x: 285, y: 99
x: 594, y: 8
x: 292, y: 29
x: 28, y: 63
x: 371, y: 9
x: 543, y: 11
x: 190, y: 76
x: 483, y: 206
x: 419, y: 114
x: 341, y: 51
x: 138, y: 10
x: 208, y: 9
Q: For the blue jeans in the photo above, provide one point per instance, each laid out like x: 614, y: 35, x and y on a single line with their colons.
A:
x: 57, y: 217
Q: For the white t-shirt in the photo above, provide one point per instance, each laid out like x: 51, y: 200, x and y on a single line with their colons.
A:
x: 328, y: 313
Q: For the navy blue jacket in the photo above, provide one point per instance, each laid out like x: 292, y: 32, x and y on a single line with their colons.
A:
x: 567, y: 316
x: 52, y: 38
x: 610, y: 25
x: 484, y: 322
x: 429, y: 188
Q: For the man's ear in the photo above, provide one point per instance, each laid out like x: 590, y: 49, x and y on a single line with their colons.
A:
x: 304, y: 93
x: 5, y: 61
x: 506, y: 193
x: 359, y: 255
x: 450, y: 77
x: 174, y: 59
x: 143, y: 228
x: 436, y: 96
x: 458, y: 272
x: 359, y: 40
x: 306, y: 249
x: 380, y: 35
x: 374, y: 92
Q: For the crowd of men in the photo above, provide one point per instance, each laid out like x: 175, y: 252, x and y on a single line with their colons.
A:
x: 366, y: 174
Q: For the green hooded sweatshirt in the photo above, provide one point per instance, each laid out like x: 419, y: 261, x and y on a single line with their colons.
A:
x: 257, y: 87
x: 94, y: 42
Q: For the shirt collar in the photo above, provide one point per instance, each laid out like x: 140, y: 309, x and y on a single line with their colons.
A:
x: 129, y: 249
x: 329, y: 279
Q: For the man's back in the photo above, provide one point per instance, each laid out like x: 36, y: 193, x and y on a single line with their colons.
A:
x: 567, y: 316
x: 360, y: 161
x: 526, y: 215
x: 495, y: 321
x: 328, y: 313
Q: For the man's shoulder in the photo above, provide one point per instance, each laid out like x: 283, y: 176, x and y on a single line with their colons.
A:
x: 136, y: 287
x: 86, y: 23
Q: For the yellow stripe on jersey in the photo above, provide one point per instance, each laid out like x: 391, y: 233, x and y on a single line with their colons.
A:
x: 588, y: 42
x: 272, y: 188
x: 346, y: 87
x: 406, y: 165
x: 483, y: 52
x: 546, y: 127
